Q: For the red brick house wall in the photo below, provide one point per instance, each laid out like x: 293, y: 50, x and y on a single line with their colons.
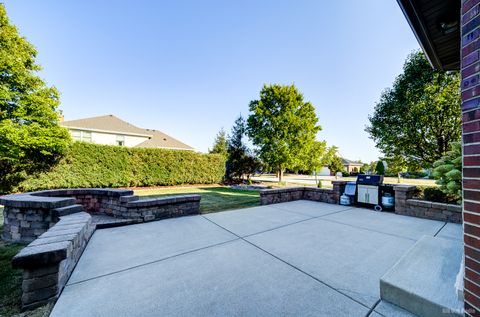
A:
x: 470, y: 86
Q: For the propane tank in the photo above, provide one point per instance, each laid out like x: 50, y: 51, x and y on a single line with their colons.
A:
x: 388, y: 201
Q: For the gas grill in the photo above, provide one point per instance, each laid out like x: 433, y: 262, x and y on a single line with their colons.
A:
x: 368, y: 189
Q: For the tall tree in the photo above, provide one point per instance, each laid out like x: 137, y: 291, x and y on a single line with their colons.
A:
x: 380, y: 168
x: 30, y: 138
x: 365, y: 168
x: 335, y: 165
x: 314, y: 158
x: 240, y: 161
x: 417, y: 119
x: 282, y: 125
x: 220, y: 144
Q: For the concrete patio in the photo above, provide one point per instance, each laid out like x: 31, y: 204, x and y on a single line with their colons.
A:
x: 300, y: 258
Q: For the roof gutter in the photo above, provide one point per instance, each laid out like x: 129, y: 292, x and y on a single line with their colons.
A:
x: 417, y: 25
x: 105, y: 131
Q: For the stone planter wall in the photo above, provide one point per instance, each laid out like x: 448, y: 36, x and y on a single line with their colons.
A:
x: 281, y: 195
x: 406, y: 205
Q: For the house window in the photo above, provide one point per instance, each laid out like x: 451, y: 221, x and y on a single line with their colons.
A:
x: 83, y: 136
x: 121, y: 140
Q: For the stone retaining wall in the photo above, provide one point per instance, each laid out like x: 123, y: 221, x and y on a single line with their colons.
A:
x: 406, y: 205
x: 28, y: 215
x: 49, y: 261
x: 92, y: 199
x: 154, y: 209
x: 26, y: 219
x: 281, y: 195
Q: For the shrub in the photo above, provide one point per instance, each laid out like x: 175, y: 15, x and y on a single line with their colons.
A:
x: 380, y: 168
x: 434, y: 194
x: 319, y: 184
x: 345, y: 174
x: 448, y: 171
x: 93, y: 165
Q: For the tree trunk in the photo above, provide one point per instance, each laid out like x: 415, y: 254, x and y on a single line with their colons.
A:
x: 280, y: 173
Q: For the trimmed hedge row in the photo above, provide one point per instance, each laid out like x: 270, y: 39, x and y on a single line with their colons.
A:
x: 93, y: 165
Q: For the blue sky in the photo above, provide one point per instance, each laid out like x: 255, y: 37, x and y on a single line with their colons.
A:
x: 190, y: 67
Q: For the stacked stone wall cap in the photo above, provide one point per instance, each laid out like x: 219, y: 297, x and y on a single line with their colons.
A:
x: 41, y: 255
x: 31, y: 201
x: 163, y: 201
x: 404, y: 188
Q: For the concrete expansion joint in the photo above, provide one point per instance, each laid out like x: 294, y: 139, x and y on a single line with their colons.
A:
x: 291, y: 265
x: 152, y: 262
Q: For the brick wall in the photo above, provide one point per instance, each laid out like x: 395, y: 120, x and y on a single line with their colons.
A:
x: 470, y: 70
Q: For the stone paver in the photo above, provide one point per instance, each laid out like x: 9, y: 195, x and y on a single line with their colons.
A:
x: 389, y: 223
x: 292, y: 259
x: 115, y: 249
x: 233, y: 279
x: 248, y: 221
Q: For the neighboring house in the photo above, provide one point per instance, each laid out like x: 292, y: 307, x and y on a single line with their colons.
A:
x: 351, y: 166
x: 111, y: 130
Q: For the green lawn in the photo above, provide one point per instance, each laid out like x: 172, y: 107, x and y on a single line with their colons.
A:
x: 213, y: 198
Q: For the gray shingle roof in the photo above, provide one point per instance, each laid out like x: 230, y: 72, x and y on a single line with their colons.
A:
x: 350, y: 162
x: 162, y: 140
x: 108, y: 123
x: 111, y: 123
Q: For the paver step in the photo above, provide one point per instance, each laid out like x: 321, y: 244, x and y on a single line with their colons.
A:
x: 423, y: 280
x: 68, y: 210
x: 102, y: 221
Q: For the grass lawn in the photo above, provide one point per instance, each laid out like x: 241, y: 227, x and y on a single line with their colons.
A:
x: 213, y: 198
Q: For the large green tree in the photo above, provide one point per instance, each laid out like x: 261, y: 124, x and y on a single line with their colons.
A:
x: 220, y: 144
x: 30, y: 138
x: 418, y: 118
x: 282, y: 125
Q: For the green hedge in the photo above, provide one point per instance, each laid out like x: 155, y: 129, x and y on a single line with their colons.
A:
x: 93, y: 165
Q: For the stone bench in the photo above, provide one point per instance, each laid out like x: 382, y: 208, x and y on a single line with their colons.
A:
x: 160, y: 208
x: 28, y: 215
x: 48, y: 261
